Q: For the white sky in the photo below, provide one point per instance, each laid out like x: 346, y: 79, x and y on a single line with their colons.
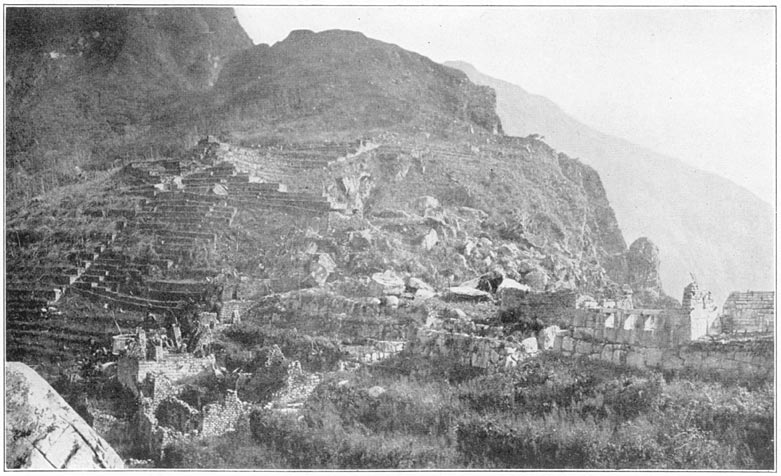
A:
x: 694, y: 83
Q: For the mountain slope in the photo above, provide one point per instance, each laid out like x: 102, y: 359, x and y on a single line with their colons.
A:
x: 703, y: 224
x: 82, y: 83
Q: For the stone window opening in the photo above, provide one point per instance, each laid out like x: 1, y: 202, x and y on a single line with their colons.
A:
x: 610, y: 322
x: 629, y: 323
x: 650, y: 324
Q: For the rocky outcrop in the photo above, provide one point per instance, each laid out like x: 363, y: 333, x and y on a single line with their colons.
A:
x: 43, y: 432
x: 642, y: 265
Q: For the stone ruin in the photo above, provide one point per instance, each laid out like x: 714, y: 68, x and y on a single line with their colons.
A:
x: 749, y: 312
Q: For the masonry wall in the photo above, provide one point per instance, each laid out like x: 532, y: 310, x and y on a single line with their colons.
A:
x: 226, y: 313
x: 352, y: 318
x: 468, y: 350
x: 750, y: 358
x: 751, y: 311
x: 220, y: 418
x: 647, y: 327
x: 538, y: 302
x: 175, y: 367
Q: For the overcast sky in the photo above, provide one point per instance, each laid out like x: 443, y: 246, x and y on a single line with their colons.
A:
x: 694, y: 83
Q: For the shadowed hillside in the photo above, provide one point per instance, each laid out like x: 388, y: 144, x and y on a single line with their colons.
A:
x: 702, y: 223
x: 84, y: 85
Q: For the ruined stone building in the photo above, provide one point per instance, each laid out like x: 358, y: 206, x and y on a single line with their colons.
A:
x: 750, y: 311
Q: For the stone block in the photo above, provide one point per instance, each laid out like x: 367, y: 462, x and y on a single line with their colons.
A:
x: 653, y: 356
x: 583, y: 347
x: 619, y: 356
x: 583, y: 333
x: 579, y: 320
x: 568, y: 344
x: 547, y: 337
x: 557, y: 343
x: 530, y: 345
x: 635, y: 358
x: 671, y: 361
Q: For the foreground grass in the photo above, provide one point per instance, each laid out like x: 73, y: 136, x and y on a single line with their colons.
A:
x: 553, y: 412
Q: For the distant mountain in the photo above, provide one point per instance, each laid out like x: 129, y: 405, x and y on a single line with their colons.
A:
x: 702, y: 223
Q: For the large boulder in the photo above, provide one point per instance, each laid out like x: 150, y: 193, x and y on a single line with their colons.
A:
x: 321, y: 267
x: 43, y: 432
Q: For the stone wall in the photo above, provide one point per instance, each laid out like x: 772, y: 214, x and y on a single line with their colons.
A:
x: 752, y: 311
x: 374, y: 350
x: 525, y: 300
x: 234, y: 305
x: 132, y: 373
x: 470, y: 350
x: 749, y: 358
x: 175, y: 367
x: 343, y: 317
x: 661, y: 328
x: 220, y: 418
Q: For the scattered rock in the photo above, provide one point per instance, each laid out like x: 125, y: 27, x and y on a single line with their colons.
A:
x: 536, y: 279
x: 468, y: 294
x: 376, y: 391
x: 428, y: 240
x: 392, y: 302
x: 585, y: 301
x: 321, y: 267
x: 508, y: 250
x: 508, y: 283
x: 424, y: 294
x: 425, y: 203
x: 472, y: 213
x: 530, y: 345
x: 416, y: 284
x: 486, y: 243
x: 361, y: 240
x: 490, y: 282
x: 472, y: 283
x: 387, y: 283
x: 547, y: 337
